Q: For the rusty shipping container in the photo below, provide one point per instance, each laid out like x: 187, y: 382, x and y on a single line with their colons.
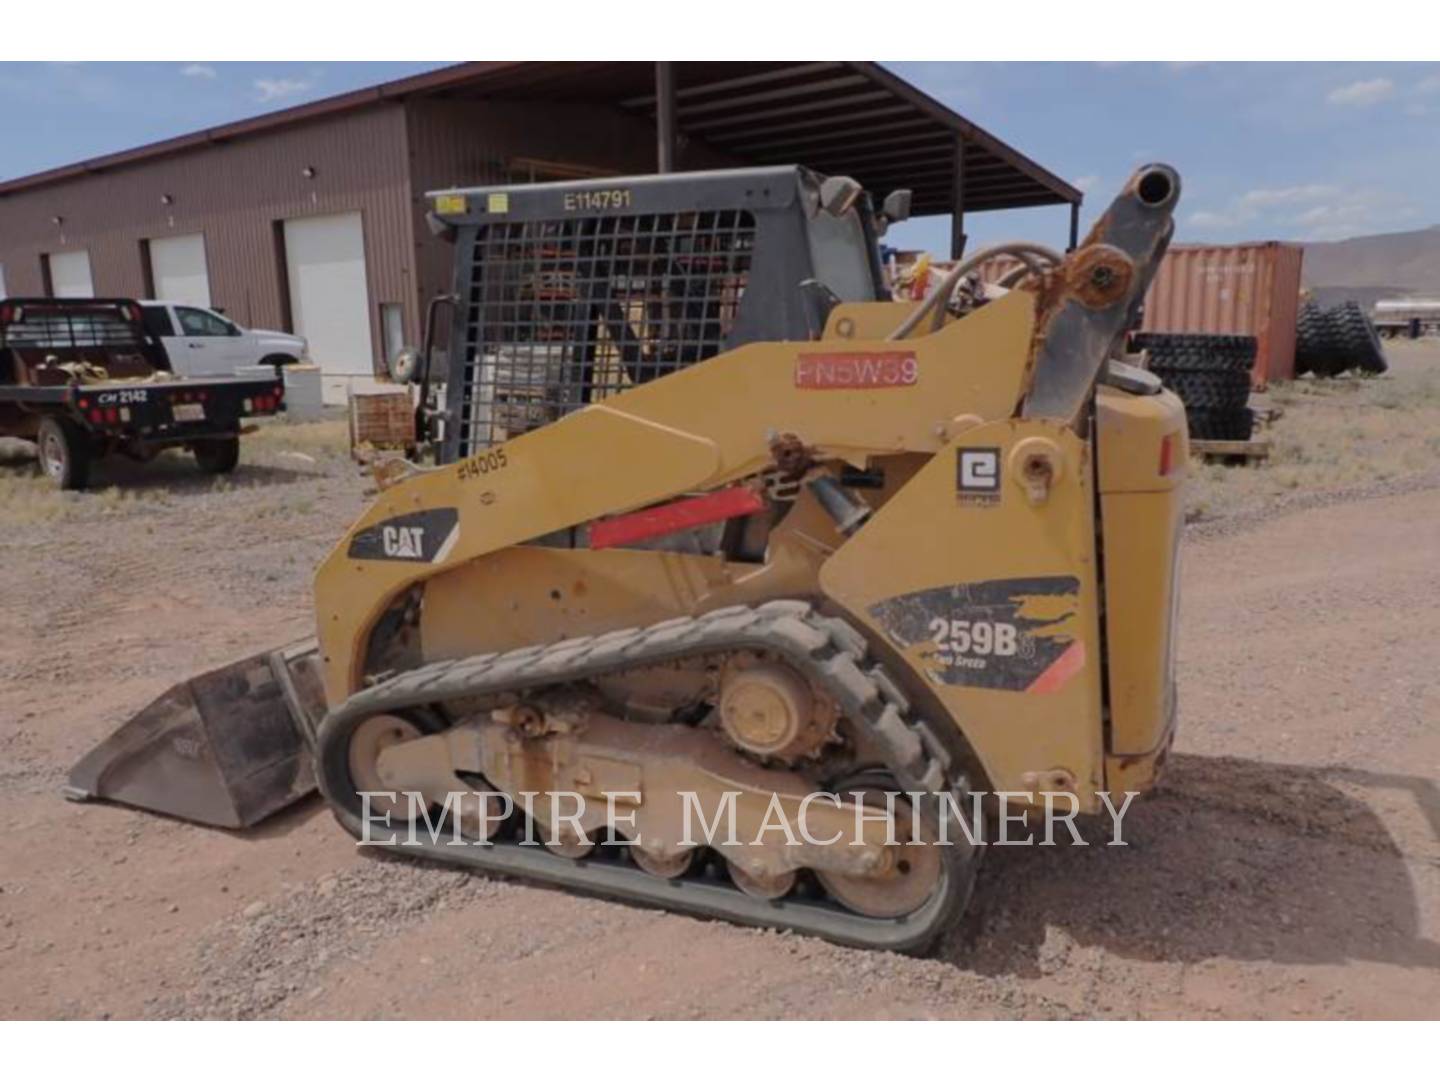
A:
x: 1232, y: 289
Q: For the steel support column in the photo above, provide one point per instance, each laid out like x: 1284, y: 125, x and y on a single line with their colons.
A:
x: 665, y: 116
x: 1074, y: 226
x: 957, y: 202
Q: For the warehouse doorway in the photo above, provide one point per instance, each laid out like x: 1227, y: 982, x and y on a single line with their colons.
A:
x: 70, y: 274
x: 329, y: 296
x: 178, y: 270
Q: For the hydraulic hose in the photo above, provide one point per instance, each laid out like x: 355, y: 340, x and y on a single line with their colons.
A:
x: 1026, y: 252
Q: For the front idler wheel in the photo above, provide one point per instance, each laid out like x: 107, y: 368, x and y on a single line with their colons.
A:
x: 909, y: 875
x: 347, y: 762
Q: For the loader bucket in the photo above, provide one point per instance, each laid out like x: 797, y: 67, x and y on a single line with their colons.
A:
x: 229, y: 747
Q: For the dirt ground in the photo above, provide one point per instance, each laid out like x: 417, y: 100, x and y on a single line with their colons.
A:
x: 1289, y: 868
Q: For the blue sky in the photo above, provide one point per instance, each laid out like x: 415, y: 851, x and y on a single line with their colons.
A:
x: 1267, y: 151
x: 1284, y: 151
x: 69, y: 112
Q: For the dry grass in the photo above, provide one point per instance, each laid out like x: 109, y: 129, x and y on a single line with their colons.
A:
x: 1334, y: 434
x: 319, y: 438
x: 28, y: 498
x: 119, y: 486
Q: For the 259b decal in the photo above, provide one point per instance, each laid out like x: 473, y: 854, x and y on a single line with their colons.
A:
x: 1011, y: 634
x: 967, y: 640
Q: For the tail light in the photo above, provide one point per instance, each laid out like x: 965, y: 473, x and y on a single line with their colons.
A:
x: 1169, y: 453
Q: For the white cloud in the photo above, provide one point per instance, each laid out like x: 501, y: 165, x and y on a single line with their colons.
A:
x: 1354, y: 213
x: 1316, y: 215
x: 198, y: 71
x: 274, y: 89
x: 1209, y: 219
x: 1364, y: 92
x: 1303, y: 212
x: 1256, y: 203
x: 1428, y: 85
x: 1085, y: 183
x: 1287, y: 195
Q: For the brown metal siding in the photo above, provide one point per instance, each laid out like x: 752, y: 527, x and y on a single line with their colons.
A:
x: 1236, y: 289
x: 233, y: 193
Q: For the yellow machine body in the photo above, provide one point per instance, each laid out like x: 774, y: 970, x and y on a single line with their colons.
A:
x: 848, y: 551
x: 989, y: 602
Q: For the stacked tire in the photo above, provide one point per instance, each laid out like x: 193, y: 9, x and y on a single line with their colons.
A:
x: 1211, y: 374
x: 1331, y: 340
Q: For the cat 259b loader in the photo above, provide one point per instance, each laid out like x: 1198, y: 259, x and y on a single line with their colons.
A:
x: 720, y: 527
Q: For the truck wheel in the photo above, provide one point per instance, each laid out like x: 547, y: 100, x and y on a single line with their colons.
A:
x: 64, y: 452
x: 217, y: 456
x: 278, y: 361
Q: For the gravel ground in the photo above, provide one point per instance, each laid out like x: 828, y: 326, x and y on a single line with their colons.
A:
x: 1289, y: 867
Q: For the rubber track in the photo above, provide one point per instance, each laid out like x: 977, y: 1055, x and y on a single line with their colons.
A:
x: 828, y: 650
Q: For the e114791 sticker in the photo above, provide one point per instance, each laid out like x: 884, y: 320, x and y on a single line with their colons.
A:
x: 1016, y: 634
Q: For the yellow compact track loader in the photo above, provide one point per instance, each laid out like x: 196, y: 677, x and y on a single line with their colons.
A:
x: 729, y: 556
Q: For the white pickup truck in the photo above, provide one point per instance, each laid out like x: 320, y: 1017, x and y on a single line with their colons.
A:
x: 202, y: 343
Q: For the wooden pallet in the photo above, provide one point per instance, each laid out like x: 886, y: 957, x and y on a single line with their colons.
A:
x: 1236, y: 451
x: 382, y: 417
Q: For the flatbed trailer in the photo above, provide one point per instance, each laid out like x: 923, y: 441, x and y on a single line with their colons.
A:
x: 83, y: 379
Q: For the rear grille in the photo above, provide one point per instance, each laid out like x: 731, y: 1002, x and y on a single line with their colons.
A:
x: 71, y: 328
x: 565, y: 312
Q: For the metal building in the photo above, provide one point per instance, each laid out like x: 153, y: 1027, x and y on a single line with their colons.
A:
x: 311, y: 219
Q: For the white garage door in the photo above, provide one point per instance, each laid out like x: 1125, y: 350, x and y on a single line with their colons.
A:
x: 177, y: 266
x: 70, y: 274
x: 329, y: 297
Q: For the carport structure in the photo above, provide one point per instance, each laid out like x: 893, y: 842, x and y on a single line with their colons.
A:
x: 851, y: 117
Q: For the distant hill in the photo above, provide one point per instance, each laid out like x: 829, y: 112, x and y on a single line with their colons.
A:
x: 1370, y: 268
